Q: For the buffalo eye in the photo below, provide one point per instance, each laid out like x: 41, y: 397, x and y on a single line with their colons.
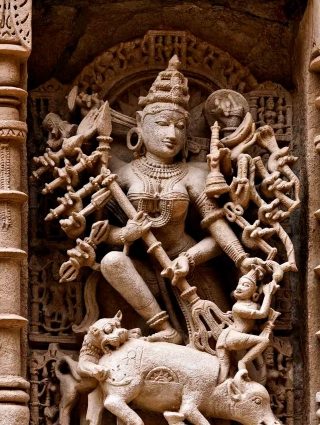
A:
x: 257, y: 400
x: 107, y: 329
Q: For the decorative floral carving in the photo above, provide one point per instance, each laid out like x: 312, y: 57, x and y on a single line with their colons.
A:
x: 16, y: 22
x: 154, y: 50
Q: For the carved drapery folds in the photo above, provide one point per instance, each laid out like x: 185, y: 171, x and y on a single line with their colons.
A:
x: 15, y: 42
x: 230, y: 171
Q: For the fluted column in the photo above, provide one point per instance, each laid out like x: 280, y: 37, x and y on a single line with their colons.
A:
x: 15, y: 39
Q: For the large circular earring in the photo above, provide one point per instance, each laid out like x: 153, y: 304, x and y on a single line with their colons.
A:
x: 255, y: 297
x: 136, y: 147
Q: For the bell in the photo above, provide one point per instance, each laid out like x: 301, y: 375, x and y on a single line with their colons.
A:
x: 215, y: 183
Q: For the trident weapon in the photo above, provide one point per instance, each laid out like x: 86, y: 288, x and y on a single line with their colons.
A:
x: 206, y: 319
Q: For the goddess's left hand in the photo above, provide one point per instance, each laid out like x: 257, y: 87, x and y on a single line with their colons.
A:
x: 136, y: 227
x: 179, y: 268
x: 249, y: 262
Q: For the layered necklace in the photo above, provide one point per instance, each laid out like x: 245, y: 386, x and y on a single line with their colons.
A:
x: 158, y: 171
x: 159, y: 181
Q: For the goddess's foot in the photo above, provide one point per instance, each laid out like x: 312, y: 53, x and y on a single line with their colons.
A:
x: 167, y: 335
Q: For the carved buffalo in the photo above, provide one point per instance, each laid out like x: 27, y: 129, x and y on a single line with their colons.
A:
x: 177, y: 381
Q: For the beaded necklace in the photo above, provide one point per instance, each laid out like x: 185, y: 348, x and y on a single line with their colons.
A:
x: 158, y: 179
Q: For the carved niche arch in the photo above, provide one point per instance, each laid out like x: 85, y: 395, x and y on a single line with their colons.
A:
x: 142, y: 58
x: 125, y: 71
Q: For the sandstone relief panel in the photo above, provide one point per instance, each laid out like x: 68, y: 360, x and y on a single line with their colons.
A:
x: 165, y: 184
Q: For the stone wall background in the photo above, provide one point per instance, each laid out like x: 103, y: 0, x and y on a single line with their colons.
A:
x: 259, y: 34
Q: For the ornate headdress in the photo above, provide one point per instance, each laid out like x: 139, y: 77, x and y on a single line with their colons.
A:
x: 170, y: 87
x: 251, y: 276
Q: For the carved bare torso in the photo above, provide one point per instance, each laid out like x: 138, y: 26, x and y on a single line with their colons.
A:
x: 241, y: 316
x: 165, y: 195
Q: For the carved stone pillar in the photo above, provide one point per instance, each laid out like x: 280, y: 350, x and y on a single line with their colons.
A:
x: 307, y: 71
x: 15, y: 37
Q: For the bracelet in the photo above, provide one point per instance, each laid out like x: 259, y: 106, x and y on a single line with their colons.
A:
x: 158, y: 319
x: 90, y: 242
x: 235, y: 251
x: 212, y: 217
x: 239, y: 260
x: 122, y: 237
x: 190, y: 258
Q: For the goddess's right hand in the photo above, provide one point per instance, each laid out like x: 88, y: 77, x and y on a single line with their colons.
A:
x: 74, y: 225
x: 80, y: 256
x: 135, y: 228
x: 69, y: 270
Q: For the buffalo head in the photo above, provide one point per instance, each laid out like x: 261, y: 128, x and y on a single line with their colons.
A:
x: 244, y: 401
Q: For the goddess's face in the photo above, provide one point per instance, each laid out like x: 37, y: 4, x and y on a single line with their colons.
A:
x: 164, y: 133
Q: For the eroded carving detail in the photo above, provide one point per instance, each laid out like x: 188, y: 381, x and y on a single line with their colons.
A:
x: 45, y: 389
x: 271, y: 105
x: 279, y: 378
x: 55, y: 308
x: 16, y: 22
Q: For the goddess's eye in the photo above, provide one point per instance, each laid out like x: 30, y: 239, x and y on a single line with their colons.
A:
x: 162, y: 123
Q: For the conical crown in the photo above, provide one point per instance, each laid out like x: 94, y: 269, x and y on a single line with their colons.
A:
x: 170, y: 86
x: 251, y: 276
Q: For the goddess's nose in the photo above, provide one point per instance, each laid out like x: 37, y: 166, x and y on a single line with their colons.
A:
x: 171, y: 132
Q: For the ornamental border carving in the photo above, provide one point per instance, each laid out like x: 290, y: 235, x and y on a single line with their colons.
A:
x: 13, y: 130
x: 152, y: 53
x: 15, y: 18
x: 134, y: 61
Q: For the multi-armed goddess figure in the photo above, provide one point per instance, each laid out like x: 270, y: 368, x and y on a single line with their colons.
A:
x: 161, y: 186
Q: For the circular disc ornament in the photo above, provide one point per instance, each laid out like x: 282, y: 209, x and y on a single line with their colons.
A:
x: 223, y: 104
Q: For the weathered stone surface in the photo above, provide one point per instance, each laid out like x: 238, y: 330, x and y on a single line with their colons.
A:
x: 274, y: 62
x: 258, y: 34
x: 156, y: 190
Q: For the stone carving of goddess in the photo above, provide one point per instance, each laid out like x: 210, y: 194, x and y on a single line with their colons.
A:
x: 161, y: 186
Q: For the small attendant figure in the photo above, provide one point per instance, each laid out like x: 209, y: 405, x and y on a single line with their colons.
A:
x: 245, y: 312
